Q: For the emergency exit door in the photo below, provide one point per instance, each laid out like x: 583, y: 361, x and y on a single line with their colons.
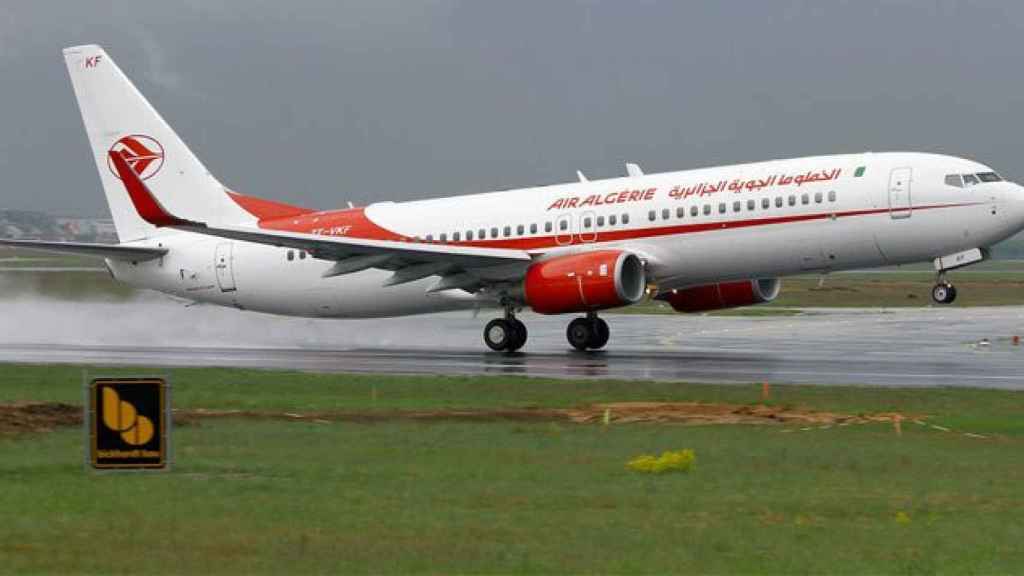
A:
x: 224, y: 263
x: 899, y: 193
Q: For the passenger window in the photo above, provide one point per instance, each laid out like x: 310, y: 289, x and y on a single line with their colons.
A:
x: 970, y: 180
x: 302, y: 254
x: 954, y: 180
x: 805, y: 199
x: 989, y: 177
x: 652, y: 215
x: 455, y: 236
x: 600, y: 220
x: 520, y: 229
x: 737, y: 206
x: 586, y: 222
x: 778, y: 201
x: 507, y: 231
x: 430, y: 237
x: 494, y: 232
x: 680, y: 212
x: 766, y: 203
x: 817, y: 197
x: 564, y: 224
x: 291, y: 255
x: 721, y: 207
x: 665, y: 213
x: 611, y: 220
x: 831, y: 195
x: 751, y: 204
x: 444, y: 236
x: 625, y: 218
x: 694, y: 210
x: 482, y: 234
x: 533, y: 228
x: 547, y: 226
x: 469, y: 234
x: 792, y: 200
x: 707, y: 209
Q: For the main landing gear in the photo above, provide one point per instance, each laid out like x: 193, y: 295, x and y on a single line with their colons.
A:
x: 588, y: 333
x: 506, y: 334
x: 944, y: 292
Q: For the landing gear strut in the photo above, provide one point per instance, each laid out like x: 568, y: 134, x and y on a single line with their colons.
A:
x: 506, y: 334
x: 590, y: 333
x: 943, y: 292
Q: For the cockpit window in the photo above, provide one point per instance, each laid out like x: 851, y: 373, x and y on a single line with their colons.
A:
x: 954, y: 180
x: 989, y: 177
x: 970, y: 179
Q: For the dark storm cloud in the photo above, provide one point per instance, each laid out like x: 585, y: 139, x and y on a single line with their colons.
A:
x: 323, y: 102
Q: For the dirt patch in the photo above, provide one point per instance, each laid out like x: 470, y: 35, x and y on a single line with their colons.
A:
x: 701, y: 413
x: 24, y: 417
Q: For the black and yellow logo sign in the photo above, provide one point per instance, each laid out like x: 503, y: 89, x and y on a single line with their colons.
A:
x: 128, y: 422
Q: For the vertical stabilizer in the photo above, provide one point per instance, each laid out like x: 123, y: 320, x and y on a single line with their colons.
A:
x: 119, y: 119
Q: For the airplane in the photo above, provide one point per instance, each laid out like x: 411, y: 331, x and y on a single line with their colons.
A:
x: 699, y: 240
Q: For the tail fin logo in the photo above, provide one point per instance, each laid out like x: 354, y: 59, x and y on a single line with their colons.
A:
x: 142, y: 153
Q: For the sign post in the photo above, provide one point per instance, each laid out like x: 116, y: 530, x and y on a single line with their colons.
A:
x: 129, y: 423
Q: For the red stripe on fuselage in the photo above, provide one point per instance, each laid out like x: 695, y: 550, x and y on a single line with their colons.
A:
x: 353, y: 223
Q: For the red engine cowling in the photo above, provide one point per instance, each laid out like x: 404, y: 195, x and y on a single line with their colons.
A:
x: 582, y: 282
x: 723, y: 295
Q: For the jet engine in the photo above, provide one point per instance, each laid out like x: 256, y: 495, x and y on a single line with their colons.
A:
x: 723, y: 295
x: 583, y: 282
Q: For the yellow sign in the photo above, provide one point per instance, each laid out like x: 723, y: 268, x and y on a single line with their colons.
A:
x: 128, y: 423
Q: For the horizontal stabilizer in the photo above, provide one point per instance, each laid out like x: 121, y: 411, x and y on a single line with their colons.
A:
x: 112, y: 251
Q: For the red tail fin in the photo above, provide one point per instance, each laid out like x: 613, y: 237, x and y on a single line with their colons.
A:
x: 146, y: 204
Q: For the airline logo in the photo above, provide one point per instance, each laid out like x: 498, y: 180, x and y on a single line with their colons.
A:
x: 144, y: 155
x: 128, y: 423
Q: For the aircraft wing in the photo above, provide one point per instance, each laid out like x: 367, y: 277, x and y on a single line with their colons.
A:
x: 410, y: 261
x: 112, y: 251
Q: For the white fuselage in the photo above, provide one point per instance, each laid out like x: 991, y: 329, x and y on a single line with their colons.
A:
x: 692, y: 228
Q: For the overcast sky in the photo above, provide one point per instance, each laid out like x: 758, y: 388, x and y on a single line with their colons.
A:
x: 317, y: 103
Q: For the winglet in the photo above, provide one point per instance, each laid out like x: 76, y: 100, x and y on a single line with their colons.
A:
x: 146, y: 204
x: 633, y: 170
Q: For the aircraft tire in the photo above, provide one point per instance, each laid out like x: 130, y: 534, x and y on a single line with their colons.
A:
x: 498, y: 334
x: 600, y: 334
x: 580, y: 333
x: 520, y: 334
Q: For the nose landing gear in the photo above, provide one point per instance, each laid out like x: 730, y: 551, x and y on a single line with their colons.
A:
x: 590, y: 333
x: 943, y: 292
x: 506, y: 334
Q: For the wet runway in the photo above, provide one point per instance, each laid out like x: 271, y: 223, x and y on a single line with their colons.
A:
x: 917, y: 347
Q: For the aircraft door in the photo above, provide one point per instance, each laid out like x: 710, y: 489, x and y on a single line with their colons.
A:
x: 899, y: 193
x: 563, y: 230
x: 224, y: 263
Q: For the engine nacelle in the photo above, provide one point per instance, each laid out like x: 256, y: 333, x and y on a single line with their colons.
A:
x: 723, y: 295
x: 583, y: 282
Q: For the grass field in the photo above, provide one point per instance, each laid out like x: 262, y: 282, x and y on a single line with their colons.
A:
x: 494, y: 495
